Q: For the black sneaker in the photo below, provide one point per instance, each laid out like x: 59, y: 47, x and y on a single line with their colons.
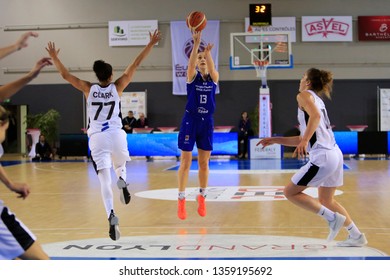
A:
x: 113, y: 222
x: 125, y: 196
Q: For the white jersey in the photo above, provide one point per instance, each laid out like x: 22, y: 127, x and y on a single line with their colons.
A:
x: 103, y: 107
x: 323, y: 137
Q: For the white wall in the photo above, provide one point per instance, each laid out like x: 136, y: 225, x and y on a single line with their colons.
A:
x: 81, y: 46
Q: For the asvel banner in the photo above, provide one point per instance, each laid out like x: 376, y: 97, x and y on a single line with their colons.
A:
x: 374, y: 28
x: 327, y: 29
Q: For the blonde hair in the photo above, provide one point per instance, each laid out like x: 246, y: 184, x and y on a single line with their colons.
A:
x: 321, y: 82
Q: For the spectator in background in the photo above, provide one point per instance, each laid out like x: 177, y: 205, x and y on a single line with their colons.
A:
x: 129, y: 122
x: 43, y: 150
x: 244, y: 132
x: 142, y: 122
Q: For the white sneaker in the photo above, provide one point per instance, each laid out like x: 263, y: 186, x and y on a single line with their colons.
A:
x: 350, y: 242
x: 113, y: 223
x: 125, y: 196
x: 335, y: 226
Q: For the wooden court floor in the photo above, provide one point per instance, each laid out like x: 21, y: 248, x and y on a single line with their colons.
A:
x: 65, y: 202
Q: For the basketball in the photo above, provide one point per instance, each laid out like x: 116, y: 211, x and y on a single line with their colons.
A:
x: 196, y: 21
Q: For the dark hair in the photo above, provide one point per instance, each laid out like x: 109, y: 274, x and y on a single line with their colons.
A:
x: 102, y: 70
x: 4, y: 115
x: 321, y: 81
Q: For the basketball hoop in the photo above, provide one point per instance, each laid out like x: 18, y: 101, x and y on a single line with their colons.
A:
x: 261, y: 67
x: 261, y: 70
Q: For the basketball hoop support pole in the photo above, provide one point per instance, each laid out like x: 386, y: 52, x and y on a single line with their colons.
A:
x: 264, y: 112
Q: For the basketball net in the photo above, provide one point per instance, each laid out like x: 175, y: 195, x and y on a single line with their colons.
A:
x: 261, y: 71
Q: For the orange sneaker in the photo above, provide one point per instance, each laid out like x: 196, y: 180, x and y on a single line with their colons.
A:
x: 181, y: 209
x: 201, y: 205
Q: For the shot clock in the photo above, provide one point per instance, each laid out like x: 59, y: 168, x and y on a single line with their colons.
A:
x: 260, y: 14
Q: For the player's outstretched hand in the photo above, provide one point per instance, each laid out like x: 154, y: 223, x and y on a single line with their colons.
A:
x: 155, y: 37
x: 22, y: 42
x: 21, y: 188
x: 266, y: 142
x: 45, y: 61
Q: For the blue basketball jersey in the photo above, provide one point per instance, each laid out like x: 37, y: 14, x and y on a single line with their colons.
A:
x: 201, y: 96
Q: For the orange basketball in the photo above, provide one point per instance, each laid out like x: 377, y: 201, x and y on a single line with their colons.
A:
x: 196, y: 21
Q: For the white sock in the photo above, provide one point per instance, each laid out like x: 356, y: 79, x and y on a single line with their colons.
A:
x: 353, y: 231
x: 327, y: 214
x: 202, y: 191
x: 182, y: 195
x: 120, y: 171
x: 104, y: 176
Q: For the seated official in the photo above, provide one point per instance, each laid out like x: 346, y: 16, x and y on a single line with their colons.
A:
x: 129, y: 122
x: 43, y: 150
x: 142, y: 122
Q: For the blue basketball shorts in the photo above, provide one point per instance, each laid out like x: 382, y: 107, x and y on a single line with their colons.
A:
x: 196, y: 130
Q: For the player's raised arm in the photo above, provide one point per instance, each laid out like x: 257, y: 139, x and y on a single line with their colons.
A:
x: 123, y: 81
x: 81, y: 85
x: 191, y: 70
x: 7, y: 90
x: 18, y: 45
x: 210, y: 63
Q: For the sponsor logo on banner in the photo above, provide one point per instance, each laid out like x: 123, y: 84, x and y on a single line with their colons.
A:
x: 279, y: 24
x: 327, y: 29
x: 374, y: 28
x: 130, y: 33
x: 272, y: 151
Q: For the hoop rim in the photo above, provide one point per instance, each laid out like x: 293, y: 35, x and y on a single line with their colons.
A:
x: 260, y: 63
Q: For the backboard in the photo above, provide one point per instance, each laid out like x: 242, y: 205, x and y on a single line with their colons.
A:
x: 247, y: 48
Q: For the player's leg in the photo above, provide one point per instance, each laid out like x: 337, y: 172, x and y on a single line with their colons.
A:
x: 183, y: 173
x: 120, y: 156
x: 204, y: 142
x: 315, y: 173
x: 101, y: 158
x: 104, y: 176
x: 35, y: 252
x: 203, y: 162
x: 355, y: 237
x: 184, y: 169
x: 326, y: 196
x: 185, y: 142
x: 203, y: 176
x: 295, y: 194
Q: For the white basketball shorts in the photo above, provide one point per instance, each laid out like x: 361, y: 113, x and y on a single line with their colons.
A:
x: 107, y: 147
x: 324, y: 169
